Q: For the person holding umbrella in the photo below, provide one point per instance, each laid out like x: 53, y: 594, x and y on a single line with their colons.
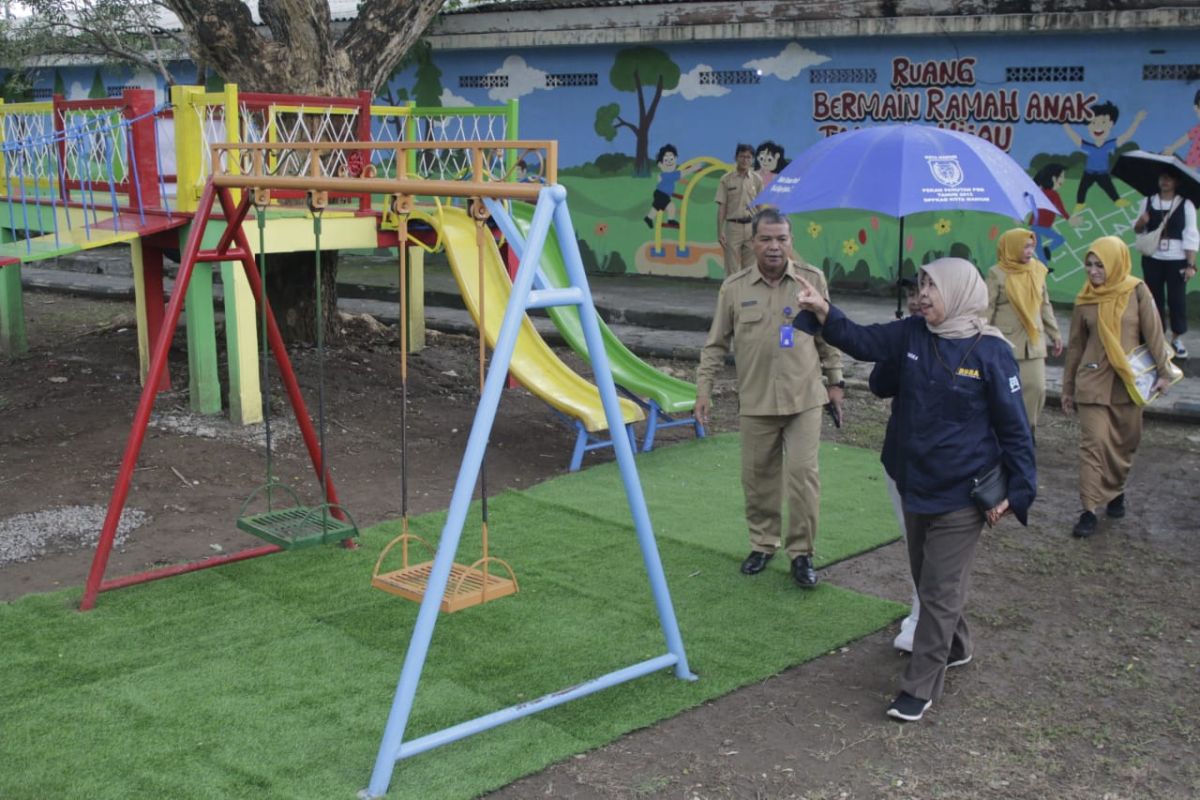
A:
x: 1019, y: 305
x: 1114, y: 313
x: 961, y: 424
x: 1168, y: 269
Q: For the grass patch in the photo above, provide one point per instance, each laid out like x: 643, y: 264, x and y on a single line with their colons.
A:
x: 273, y: 677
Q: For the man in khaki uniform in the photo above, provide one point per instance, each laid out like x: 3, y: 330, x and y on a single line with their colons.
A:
x: 780, y: 393
x: 735, y: 206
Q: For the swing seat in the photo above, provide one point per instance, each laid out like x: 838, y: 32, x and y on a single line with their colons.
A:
x: 296, y: 525
x: 467, y: 585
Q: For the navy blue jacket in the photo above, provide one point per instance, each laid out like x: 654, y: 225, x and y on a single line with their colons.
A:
x: 946, y: 429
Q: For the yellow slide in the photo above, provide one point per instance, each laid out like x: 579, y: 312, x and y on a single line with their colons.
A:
x: 534, y: 364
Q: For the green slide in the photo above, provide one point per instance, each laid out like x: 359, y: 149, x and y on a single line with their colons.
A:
x: 666, y: 394
x: 671, y: 394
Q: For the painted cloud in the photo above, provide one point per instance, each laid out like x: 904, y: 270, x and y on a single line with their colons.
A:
x: 790, y: 62
x: 691, y: 87
x: 522, y: 79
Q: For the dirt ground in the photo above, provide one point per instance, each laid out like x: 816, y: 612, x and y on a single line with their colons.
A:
x: 1085, y: 679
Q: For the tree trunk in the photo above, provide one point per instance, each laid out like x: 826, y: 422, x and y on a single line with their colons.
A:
x: 292, y: 290
x: 300, y: 56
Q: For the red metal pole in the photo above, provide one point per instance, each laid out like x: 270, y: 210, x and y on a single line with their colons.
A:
x: 194, y: 566
x: 142, y: 148
x: 141, y: 418
x: 286, y: 373
x: 152, y: 294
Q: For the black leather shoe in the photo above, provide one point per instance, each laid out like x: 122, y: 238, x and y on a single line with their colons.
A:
x: 1085, y: 527
x: 756, y: 562
x: 1116, y: 506
x: 803, y: 573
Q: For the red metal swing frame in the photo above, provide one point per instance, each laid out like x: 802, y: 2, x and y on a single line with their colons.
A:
x: 232, y: 246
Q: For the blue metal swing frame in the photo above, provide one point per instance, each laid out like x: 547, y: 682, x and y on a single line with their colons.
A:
x: 551, y: 209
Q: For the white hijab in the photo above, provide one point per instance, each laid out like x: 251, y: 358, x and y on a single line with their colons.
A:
x: 966, y: 298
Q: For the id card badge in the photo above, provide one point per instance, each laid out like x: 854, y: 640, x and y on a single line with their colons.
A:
x: 1164, y: 244
x: 786, y: 332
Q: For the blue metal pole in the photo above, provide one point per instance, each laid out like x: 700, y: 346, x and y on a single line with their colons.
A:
x: 602, y: 373
x: 468, y: 474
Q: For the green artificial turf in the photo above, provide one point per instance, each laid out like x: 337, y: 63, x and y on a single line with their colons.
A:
x: 272, y: 678
x: 694, y: 495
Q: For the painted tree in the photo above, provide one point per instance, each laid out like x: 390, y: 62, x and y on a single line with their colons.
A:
x: 295, y: 50
x: 98, y: 90
x: 647, y: 72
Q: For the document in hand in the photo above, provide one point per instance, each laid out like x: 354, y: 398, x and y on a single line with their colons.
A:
x: 1145, y: 374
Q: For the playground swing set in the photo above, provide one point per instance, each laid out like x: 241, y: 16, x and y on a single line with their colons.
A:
x: 297, y: 525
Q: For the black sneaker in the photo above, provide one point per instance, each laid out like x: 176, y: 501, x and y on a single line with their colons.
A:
x: 1085, y: 527
x: 907, y: 708
x: 1116, y: 506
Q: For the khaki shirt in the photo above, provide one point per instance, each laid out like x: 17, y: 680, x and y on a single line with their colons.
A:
x: 1087, y: 375
x: 772, y: 380
x: 736, y: 194
x: 1003, y: 315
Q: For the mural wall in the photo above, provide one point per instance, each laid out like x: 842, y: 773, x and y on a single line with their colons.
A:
x: 1062, y: 105
x: 1048, y: 100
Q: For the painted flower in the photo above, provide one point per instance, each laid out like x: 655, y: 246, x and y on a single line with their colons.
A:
x: 849, y: 247
x: 862, y: 235
x: 874, y: 223
x: 994, y: 232
x: 908, y: 243
x: 942, y: 226
x: 814, y: 230
x: 601, y: 228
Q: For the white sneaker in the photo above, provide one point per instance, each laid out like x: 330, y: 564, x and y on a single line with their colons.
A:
x: 1180, y: 350
x: 904, y: 639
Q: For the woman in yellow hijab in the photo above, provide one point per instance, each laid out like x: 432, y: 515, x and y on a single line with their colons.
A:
x: 1114, y: 313
x: 1019, y: 305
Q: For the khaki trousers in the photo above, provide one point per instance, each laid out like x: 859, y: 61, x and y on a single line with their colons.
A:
x: 738, y: 253
x: 941, y: 549
x: 1033, y: 388
x: 1109, y: 436
x: 779, y: 454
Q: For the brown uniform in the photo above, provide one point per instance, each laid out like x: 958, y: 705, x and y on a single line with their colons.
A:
x: 1031, y: 356
x: 1110, y: 422
x: 735, y: 195
x: 781, y: 395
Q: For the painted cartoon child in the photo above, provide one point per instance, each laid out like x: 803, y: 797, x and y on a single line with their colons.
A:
x: 1100, y: 150
x: 524, y: 176
x: 664, y: 193
x: 1192, y: 159
x: 1050, y: 178
x: 769, y: 161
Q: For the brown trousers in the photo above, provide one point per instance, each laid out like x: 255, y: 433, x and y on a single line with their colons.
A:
x: 778, y: 453
x: 941, y: 549
x: 738, y: 252
x: 1109, y: 436
x: 1033, y: 388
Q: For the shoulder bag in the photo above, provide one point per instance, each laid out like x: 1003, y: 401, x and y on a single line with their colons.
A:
x: 1146, y: 242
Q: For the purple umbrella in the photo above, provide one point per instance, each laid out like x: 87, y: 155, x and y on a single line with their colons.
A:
x: 905, y: 169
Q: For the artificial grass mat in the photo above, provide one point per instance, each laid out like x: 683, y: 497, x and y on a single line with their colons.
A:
x: 273, y: 677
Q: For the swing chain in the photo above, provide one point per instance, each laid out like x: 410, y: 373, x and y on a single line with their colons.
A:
x: 479, y: 210
x: 318, y: 199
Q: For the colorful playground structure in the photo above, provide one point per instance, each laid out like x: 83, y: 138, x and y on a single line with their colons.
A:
x: 84, y: 174
x: 246, y: 180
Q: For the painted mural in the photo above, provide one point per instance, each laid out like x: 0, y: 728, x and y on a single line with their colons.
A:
x: 646, y: 133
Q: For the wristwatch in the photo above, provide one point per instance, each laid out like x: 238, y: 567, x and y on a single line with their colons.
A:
x: 838, y: 385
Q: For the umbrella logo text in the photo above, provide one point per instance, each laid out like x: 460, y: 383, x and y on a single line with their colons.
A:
x: 945, y: 170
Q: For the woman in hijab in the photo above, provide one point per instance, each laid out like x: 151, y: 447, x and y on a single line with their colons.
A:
x: 1019, y: 306
x: 959, y: 414
x: 1114, y: 313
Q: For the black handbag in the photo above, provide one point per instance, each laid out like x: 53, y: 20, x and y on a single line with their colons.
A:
x: 991, y: 488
